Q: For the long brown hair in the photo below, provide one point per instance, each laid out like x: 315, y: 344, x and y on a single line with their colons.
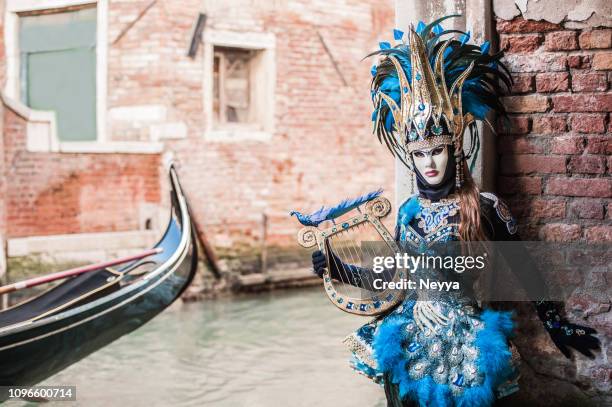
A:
x: 469, y: 197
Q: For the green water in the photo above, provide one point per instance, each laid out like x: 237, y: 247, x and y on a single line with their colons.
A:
x: 276, y: 349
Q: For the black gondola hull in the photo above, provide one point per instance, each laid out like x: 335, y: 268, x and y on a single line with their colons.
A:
x: 32, y: 352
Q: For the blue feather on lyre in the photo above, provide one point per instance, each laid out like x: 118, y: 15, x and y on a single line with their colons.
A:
x: 343, y: 207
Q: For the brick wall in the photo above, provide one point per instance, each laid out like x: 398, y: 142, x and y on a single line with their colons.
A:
x: 321, y: 150
x: 2, y: 190
x: 554, y: 169
x: 73, y: 193
x: 555, y: 162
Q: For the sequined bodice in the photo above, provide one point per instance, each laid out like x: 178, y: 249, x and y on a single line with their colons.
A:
x: 422, y: 222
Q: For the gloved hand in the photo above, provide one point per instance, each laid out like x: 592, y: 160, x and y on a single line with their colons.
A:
x: 564, y: 334
x: 319, y: 263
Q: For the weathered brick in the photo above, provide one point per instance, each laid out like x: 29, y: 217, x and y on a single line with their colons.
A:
x: 64, y: 193
x: 546, y: 209
x: 520, y: 43
x: 519, y: 145
x: 589, y: 123
x: 602, y: 61
x: 532, y: 163
x: 542, y: 62
x: 60, y: 194
x: 523, y: 185
x: 586, y: 209
x: 602, y: 233
x: 549, y: 124
x: 526, y: 104
x: 514, y: 125
x: 567, y: 145
x: 579, y: 61
x: 560, y: 232
x: 609, y: 210
x: 596, y: 39
x: 523, y: 83
x: 552, y: 82
x: 582, y: 103
x: 587, y: 187
x: 520, y: 25
x: 587, y: 164
x: 561, y: 41
x: 589, y: 82
x: 599, y: 145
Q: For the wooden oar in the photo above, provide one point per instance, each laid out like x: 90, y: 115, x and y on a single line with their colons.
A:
x: 75, y: 272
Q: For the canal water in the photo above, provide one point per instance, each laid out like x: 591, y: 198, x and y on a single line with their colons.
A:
x: 275, y: 349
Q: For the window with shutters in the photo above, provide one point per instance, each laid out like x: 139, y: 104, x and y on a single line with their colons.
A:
x: 57, y: 55
x: 240, y: 73
x: 56, y: 74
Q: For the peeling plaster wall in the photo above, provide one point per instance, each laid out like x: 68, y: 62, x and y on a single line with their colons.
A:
x: 569, y: 13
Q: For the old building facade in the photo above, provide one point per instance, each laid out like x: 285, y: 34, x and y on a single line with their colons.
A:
x: 269, y: 110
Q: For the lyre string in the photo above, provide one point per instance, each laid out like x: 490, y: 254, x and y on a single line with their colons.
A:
x: 354, y: 255
x: 348, y: 253
x: 340, y: 267
x: 345, y: 245
x: 347, y: 256
x: 369, y: 251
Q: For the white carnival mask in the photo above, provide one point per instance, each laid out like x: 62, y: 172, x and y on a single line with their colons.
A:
x: 431, y: 163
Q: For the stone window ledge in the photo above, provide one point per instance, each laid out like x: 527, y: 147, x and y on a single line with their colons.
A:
x: 110, y: 147
x: 41, y: 135
x: 237, y: 135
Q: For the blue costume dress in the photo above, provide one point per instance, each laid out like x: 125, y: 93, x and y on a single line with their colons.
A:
x: 465, y: 362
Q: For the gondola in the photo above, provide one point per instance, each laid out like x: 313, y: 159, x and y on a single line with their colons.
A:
x: 50, y: 332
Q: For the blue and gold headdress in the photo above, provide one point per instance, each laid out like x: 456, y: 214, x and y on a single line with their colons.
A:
x: 428, y: 91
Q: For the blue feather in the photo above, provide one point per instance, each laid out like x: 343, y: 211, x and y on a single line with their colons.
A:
x: 420, y: 27
x: 447, y: 51
x: 438, y: 29
x: 484, y: 48
x: 390, y: 84
x: 493, y: 361
x: 373, y: 70
x: 389, y: 121
x: 397, y: 34
x: 464, y: 38
x: 384, y: 45
x: 343, y: 207
x: 471, y: 101
x: 408, y: 210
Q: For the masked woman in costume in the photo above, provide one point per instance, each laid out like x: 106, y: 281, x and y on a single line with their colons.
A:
x: 428, y: 91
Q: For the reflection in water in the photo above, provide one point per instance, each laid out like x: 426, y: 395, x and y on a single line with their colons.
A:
x: 282, y: 348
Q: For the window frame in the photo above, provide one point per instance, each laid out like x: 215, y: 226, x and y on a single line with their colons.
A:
x: 13, y: 65
x: 265, y: 66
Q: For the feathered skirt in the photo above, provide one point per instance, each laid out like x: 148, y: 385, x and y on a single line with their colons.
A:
x: 464, y: 361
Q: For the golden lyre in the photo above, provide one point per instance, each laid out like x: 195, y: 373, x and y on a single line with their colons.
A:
x: 343, y: 252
